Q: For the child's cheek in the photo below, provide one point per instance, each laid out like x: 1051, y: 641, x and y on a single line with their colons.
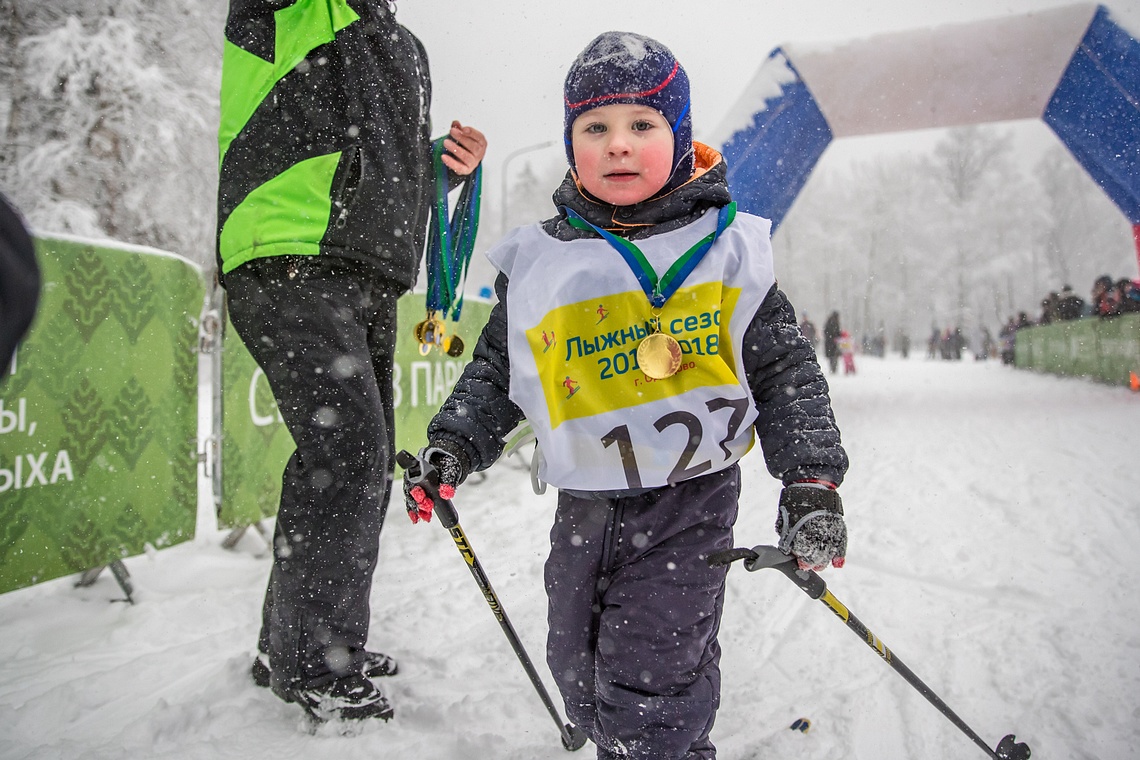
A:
x: 657, y: 161
x: 586, y: 162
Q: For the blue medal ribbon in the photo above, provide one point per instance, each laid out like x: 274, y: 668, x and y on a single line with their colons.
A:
x: 658, y: 290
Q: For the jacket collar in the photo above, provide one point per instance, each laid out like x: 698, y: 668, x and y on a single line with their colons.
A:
x: 706, y: 188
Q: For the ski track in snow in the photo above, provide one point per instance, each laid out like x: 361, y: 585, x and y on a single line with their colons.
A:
x: 993, y: 520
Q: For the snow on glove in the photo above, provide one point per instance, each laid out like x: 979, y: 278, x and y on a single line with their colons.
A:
x: 811, y: 527
x: 450, y: 472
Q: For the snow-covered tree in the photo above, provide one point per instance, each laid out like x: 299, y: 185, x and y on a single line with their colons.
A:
x: 969, y: 166
x: 109, y: 125
x: 1083, y: 234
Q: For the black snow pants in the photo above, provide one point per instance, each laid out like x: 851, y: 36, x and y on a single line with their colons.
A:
x: 634, y: 612
x: 325, y: 337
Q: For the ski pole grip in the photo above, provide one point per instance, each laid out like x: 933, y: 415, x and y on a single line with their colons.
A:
x: 406, y: 459
x: 769, y: 556
x: 423, y: 473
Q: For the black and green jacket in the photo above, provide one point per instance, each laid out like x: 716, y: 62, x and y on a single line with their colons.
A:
x: 324, y: 139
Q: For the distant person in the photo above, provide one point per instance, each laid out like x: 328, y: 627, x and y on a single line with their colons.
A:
x: 879, y: 341
x: 324, y: 194
x: 807, y: 327
x: 902, y: 342
x: 1105, y: 297
x: 1008, y: 337
x: 647, y: 489
x: 1069, y: 305
x: 831, y: 330
x: 847, y: 351
x: 934, y: 343
x: 19, y: 283
x: 1128, y: 295
x: 988, y: 347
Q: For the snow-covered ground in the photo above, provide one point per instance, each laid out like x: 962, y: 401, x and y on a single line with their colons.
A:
x: 995, y: 524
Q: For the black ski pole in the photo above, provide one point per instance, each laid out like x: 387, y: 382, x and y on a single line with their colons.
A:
x: 423, y: 474
x: 759, y: 557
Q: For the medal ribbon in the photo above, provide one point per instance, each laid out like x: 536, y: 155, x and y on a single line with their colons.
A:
x: 451, y: 237
x: 658, y: 290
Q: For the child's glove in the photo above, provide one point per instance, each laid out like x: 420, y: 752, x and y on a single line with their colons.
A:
x: 450, y: 471
x: 811, y: 527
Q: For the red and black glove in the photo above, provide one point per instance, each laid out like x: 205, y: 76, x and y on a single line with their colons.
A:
x: 445, y: 465
x: 811, y: 526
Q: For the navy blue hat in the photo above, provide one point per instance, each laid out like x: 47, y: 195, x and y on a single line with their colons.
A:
x: 622, y: 67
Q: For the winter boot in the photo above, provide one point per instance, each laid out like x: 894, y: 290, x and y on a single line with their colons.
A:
x: 353, y: 697
x: 376, y: 665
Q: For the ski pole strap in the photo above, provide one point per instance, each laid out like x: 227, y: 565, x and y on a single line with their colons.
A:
x: 658, y: 290
x: 451, y: 237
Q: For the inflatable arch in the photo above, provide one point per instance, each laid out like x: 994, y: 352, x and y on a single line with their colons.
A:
x: 1073, y: 67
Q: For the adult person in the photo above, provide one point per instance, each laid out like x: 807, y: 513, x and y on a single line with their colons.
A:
x: 807, y: 327
x: 831, y: 331
x: 1070, y: 306
x: 324, y: 194
x: 1008, y: 337
x: 1105, y: 297
x: 19, y: 282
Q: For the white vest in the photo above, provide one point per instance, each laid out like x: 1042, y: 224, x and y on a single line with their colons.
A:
x: 575, y: 314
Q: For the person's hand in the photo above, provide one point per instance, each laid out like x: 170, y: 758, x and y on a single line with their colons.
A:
x: 464, y: 148
x: 450, y: 473
x: 811, y: 527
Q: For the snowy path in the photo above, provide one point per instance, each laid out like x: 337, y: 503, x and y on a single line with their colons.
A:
x: 994, y: 517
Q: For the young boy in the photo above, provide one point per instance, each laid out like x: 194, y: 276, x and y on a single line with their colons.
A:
x: 641, y: 417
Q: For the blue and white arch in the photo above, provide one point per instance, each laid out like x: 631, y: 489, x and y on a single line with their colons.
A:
x: 1073, y: 67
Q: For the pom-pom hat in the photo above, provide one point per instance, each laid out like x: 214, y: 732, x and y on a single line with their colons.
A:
x: 623, y: 67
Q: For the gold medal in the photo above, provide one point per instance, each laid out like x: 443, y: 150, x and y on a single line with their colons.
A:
x: 659, y: 356
x: 426, y: 332
x: 430, y: 333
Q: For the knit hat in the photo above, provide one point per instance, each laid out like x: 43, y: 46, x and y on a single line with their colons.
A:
x: 622, y: 67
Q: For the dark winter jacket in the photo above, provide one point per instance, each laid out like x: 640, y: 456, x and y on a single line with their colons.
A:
x: 19, y: 282
x: 831, y: 335
x: 325, y: 138
x: 796, y: 426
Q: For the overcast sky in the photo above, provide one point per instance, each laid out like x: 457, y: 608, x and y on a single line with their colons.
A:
x: 499, y: 64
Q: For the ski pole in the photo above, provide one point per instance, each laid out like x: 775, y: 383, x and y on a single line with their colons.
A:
x: 423, y: 474
x: 759, y: 557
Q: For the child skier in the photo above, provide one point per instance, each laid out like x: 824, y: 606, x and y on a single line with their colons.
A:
x: 847, y: 351
x: 641, y: 418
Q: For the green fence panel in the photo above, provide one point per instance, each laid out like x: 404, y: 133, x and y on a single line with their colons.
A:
x: 1106, y: 350
x: 99, y: 412
x: 256, y: 444
x: 1118, y: 344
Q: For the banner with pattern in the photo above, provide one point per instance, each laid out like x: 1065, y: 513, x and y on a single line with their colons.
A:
x: 99, y: 412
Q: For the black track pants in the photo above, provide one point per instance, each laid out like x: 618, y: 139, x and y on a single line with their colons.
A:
x: 326, y: 341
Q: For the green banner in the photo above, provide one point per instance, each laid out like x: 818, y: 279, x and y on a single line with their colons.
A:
x: 256, y: 444
x: 1102, y: 349
x: 98, y: 412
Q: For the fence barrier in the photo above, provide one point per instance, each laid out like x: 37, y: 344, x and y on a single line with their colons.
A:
x: 98, y: 412
x: 1106, y: 350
